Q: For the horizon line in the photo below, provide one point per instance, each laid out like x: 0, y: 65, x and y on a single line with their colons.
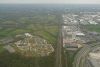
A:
x: 57, y: 3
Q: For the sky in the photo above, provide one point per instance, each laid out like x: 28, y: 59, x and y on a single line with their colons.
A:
x: 52, y: 1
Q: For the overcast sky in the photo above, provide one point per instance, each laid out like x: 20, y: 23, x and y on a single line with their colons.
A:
x: 53, y: 1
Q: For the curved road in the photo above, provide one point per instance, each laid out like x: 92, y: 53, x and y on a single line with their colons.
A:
x: 80, y: 59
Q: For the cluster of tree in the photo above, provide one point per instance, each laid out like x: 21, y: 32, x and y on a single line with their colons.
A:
x: 15, y: 60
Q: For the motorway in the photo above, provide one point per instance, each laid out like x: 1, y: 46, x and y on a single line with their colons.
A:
x: 81, y: 59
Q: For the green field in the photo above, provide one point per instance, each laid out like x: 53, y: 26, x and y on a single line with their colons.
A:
x: 95, y: 28
x: 1, y: 48
x: 37, y: 23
